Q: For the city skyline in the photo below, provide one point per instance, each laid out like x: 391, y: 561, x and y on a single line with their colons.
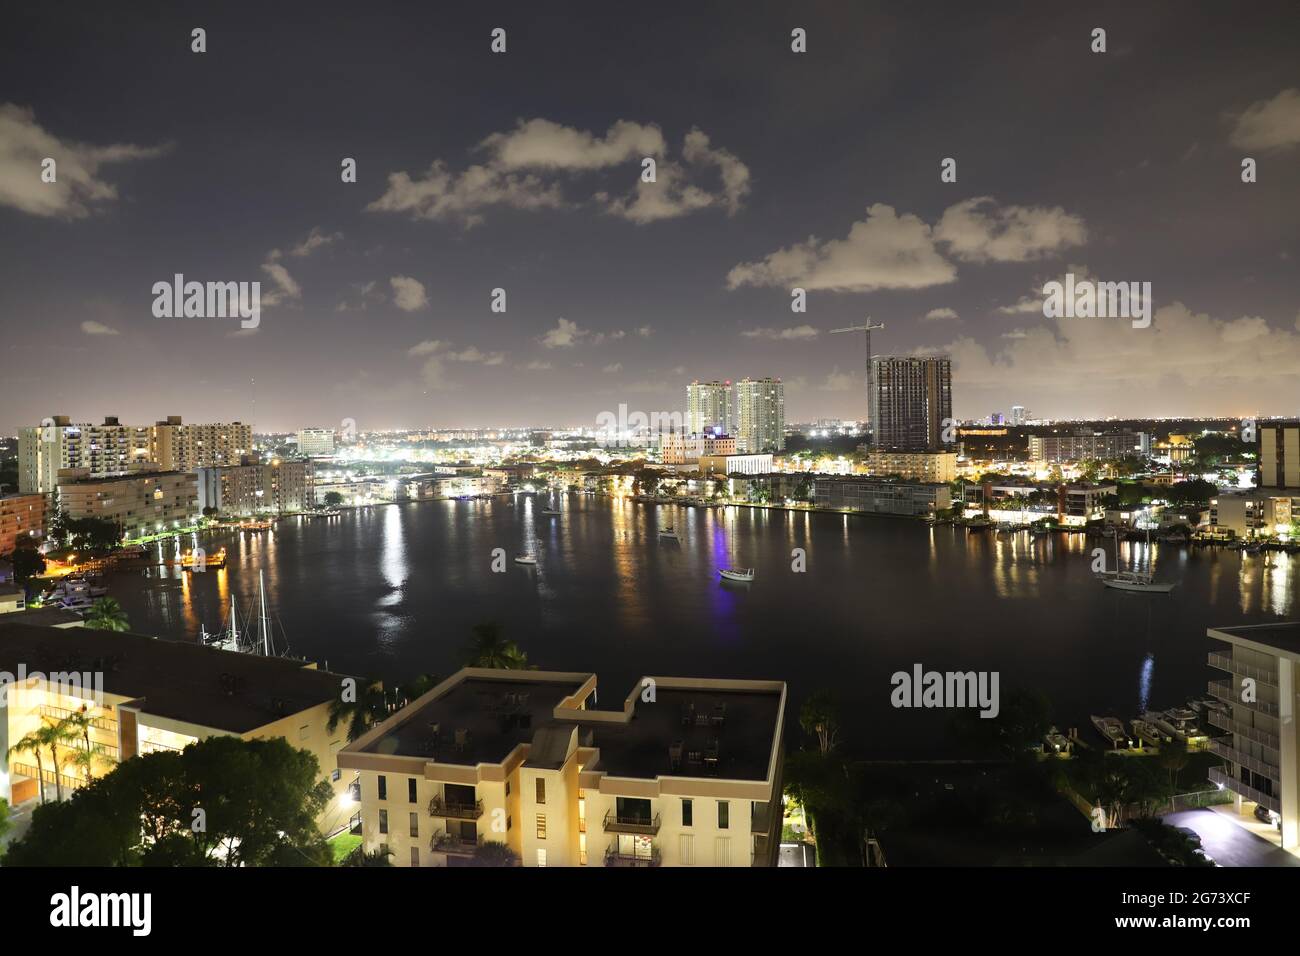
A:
x: 520, y: 171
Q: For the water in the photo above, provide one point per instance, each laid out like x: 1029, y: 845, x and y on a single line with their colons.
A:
x: 393, y: 591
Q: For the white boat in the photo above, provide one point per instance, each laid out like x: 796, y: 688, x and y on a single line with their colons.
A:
x: 668, y: 532
x: 1056, y: 742
x: 551, y: 511
x: 525, y: 559
x: 737, y: 574
x: 1111, y: 728
x: 1133, y: 580
x: 1148, y: 732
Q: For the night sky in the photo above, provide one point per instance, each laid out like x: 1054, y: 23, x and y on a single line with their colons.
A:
x: 521, y: 171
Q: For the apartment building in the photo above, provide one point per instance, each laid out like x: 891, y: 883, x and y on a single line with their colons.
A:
x: 679, y: 449
x: 1086, y: 445
x: 709, y: 408
x: 145, y: 695
x: 316, y: 442
x: 22, y: 519
x: 734, y: 464
x: 57, y: 444
x: 685, y: 772
x: 1077, y: 504
x: 141, y: 502
x: 911, y: 400
x: 881, y: 495
x: 760, y: 415
x: 278, y: 486
x: 1259, y: 739
x: 929, y: 466
x: 179, y: 447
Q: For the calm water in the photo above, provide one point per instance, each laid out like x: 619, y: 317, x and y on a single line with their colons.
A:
x: 392, y: 591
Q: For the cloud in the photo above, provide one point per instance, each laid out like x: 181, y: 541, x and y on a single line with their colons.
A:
x: 565, y: 335
x: 838, y: 381
x: 975, y: 231
x: 286, y: 287
x: 472, y: 354
x: 1269, y: 124
x: 944, y: 313
x: 91, y: 327
x: 77, y: 188
x: 437, y: 353
x: 1186, y: 363
x: 645, y: 331
x: 536, y: 366
x: 366, y: 293
x: 427, y: 347
x: 785, y: 335
x: 614, y: 368
x: 528, y: 167
x: 315, y: 240
x: 883, y: 251
x: 408, y: 293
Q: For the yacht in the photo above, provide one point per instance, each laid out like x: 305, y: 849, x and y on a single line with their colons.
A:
x: 1148, y: 732
x: 1112, y: 729
x: 525, y: 559
x: 1133, y: 580
x: 668, y: 532
x: 737, y: 574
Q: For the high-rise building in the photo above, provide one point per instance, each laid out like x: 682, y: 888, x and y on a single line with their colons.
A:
x: 709, y: 408
x: 140, y: 502
x: 57, y: 444
x: 22, y: 520
x: 1018, y: 415
x: 911, y: 399
x: 316, y: 442
x: 1084, y: 445
x: 760, y: 415
x: 257, y: 487
x: 179, y: 447
x: 1279, y: 456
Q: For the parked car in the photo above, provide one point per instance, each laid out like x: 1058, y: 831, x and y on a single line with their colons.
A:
x: 1193, y: 837
x: 1263, y: 814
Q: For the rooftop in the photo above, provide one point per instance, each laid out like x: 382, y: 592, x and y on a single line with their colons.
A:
x: 223, y: 690
x: 1284, y: 636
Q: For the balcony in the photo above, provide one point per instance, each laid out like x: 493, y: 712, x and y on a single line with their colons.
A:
x: 1246, y: 730
x: 449, y: 843
x: 760, y: 819
x: 614, y: 858
x: 1217, y: 776
x: 1223, y: 747
x: 631, y: 824
x: 438, y: 807
x: 1226, y: 692
x: 1226, y: 662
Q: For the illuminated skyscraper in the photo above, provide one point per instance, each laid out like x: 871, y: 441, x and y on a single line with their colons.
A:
x: 760, y: 415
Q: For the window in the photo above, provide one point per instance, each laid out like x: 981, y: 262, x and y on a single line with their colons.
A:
x: 541, y: 857
x: 304, y: 731
x: 507, y: 788
x: 541, y: 790
x: 415, y: 854
x: 410, y: 790
x: 415, y: 824
x: 383, y: 821
x: 582, y: 849
x: 383, y: 787
x: 541, y: 826
x: 688, y: 813
x: 336, y: 775
x: 724, y: 814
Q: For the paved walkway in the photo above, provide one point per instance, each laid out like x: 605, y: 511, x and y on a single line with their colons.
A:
x: 1234, y: 839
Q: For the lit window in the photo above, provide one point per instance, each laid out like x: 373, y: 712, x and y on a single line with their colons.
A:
x: 541, y: 790
x: 541, y: 826
x: 541, y: 857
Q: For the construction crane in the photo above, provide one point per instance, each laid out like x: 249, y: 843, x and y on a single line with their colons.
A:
x: 868, y: 329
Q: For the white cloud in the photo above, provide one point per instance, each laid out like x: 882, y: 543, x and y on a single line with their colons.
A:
x: 315, y: 240
x: 565, y: 335
x: 77, y: 188
x: 838, y: 381
x: 883, y: 251
x: 674, y: 194
x: 977, y: 230
x: 427, y: 347
x: 613, y: 368
x: 536, y: 366
x: 943, y: 313
x: 543, y: 144
x: 473, y: 354
x: 408, y: 293
x: 285, y: 286
x: 1269, y: 124
x: 444, y: 195
x: 91, y: 327
x: 794, y: 333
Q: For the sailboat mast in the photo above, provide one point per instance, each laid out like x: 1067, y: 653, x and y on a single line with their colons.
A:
x: 266, y: 626
x: 234, y: 623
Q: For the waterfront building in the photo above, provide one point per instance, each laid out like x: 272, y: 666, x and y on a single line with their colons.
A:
x: 734, y: 464
x: 687, y: 772
x: 175, y: 446
x: 709, y: 408
x: 1079, y: 503
x: 278, y: 486
x: 158, y: 696
x: 1260, y: 739
x: 316, y: 442
x: 1086, y: 445
x: 56, y: 445
x: 760, y: 415
x: 679, y: 449
x: 881, y: 495
x: 22, y: 519
x: 140, y: 502
x: 911, y: 399
x: 919, y: 465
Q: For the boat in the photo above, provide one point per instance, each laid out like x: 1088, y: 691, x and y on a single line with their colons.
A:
x: 217, y: 560
x: 1133, y: 580
x: 229, y: 639
x: 1176, y: 537
x: 255, y: 526
x: 1254, y: 547
x: 552, y: 511
x: 978, y: 523
x: 1040, y: 531
x: 1148, y: 732
x: 737, y: 574
x: 1111, y: 728
x: 525, y: 559
x: 669, y: 532
x: 1056, y: 742
x: 326, y: 513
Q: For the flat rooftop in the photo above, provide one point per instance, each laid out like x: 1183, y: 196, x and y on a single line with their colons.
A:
x: 1285, y: 636
x: 223, y: 690
x: 478, y: 720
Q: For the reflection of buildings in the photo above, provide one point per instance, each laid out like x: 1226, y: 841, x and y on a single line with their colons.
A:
x: 1260, y: 737
x: 686, y: 772
x: 158, y: 695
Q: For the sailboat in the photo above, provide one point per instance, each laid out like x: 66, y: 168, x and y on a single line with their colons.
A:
x: 1133, y: 580
x: 231, y: 640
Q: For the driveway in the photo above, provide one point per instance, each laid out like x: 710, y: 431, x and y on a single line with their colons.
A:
x: 1230, y: 842
x: 797, y: 854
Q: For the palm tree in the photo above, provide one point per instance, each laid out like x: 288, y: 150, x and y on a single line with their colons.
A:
x: 76, y: 730
x: 490, y: 649
x: 32, y: 744
x: 363, y: 857
x: 370, y: 707
x: 107, y: 615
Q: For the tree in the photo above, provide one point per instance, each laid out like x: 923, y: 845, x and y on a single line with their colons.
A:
x: 28, y: 563
x: 31, y: 743
x: 333, y: 499
x: 4, y: 819
x: 493, y: 853
x: 370, y: 707
x: 1173, y: 758
x: 106, y: 614
x: 819, y: 717
x: 490, y: 649
x: 222, y: 801
x: 363, y: 857
x: 75, y: 729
